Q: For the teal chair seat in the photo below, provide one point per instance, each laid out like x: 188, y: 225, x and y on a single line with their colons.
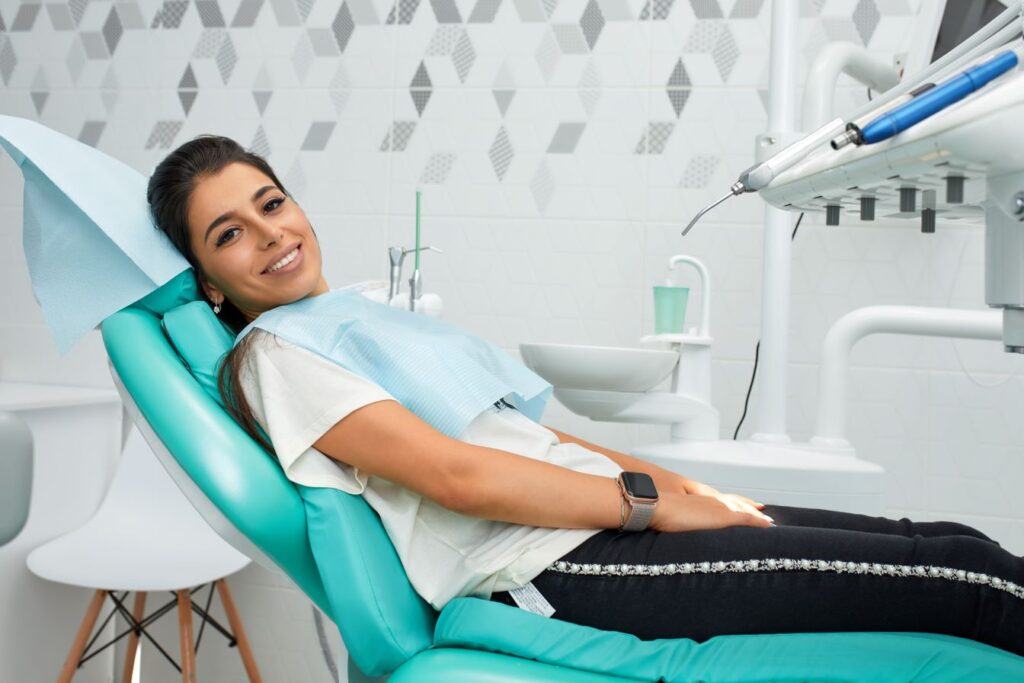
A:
x: 163, y: 353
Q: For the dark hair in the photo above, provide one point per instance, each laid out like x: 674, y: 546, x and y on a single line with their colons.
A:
x: 169, y: 194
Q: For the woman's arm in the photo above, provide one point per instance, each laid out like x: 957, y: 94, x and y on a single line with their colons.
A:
x: 384, y: 439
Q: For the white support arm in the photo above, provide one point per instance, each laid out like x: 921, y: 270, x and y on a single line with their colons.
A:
x: 830, y: 431
x: 835, y: 59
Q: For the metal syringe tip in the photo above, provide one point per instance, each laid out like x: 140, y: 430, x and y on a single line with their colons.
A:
x: 848, y: 137
x: 707, y: 208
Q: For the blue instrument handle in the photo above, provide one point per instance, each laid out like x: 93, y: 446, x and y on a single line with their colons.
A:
x: 938, y: 98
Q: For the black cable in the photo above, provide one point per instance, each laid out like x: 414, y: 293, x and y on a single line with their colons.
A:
x: 869, y: 95
x: 757, y: 354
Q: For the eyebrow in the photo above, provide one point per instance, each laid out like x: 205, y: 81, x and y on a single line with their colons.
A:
x: 224, y: 217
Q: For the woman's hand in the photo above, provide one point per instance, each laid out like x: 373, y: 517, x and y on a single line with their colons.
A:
x: 688, y: 512
x: 734, y: 500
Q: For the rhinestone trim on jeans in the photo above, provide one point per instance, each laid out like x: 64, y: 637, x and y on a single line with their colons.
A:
x: 789, y: 564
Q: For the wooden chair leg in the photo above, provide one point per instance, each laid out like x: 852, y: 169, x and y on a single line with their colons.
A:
x: 133, y: 640
x: 78, y: 646
x: 244, y: 649
x: 188, y: 652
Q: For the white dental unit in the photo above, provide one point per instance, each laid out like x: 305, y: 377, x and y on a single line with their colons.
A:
x: 963, y: 163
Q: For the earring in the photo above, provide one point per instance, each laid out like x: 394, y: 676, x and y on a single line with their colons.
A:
x: 216, y: 309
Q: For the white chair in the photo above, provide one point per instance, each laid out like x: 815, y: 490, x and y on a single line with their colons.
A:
x: 15, y: 474
x: 145, y: 537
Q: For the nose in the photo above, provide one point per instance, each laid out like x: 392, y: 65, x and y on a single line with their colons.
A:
x: 270, y: 234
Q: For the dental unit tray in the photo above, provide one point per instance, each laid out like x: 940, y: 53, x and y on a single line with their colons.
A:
x: 942, y: 163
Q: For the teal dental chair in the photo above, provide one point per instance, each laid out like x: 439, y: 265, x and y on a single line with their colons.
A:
x: 163, y: 352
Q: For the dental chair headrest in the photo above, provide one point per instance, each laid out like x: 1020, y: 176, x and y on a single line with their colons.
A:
x: 200, y: 338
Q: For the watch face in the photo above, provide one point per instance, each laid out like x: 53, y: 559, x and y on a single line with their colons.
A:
x: 639, y: 485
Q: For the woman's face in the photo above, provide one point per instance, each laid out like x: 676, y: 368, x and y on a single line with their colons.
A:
x: 253, y: 243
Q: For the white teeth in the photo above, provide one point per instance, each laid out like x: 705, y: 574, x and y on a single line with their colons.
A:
x: 285, y: 261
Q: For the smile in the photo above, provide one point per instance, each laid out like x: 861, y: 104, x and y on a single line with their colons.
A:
x: 284, y: 262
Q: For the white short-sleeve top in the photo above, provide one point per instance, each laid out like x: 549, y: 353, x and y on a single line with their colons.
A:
x: 296, y: 396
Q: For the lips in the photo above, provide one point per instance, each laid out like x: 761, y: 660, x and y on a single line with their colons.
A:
x: 281, y: 255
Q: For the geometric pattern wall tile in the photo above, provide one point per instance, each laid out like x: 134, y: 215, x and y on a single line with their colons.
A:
x: 549, y: 7
x: 187, y: 89
x: 8, y: 60
x: 75, y: 60
x: 262, y: 98
x: 39, y: 100
x: 170, y: 14
x: 188, y: 98
x: 746, y: 9
x: 26, y: 16
x: 163, y: 134
x: 592, y: 22
x: 109, y: 90
x: 246, y: 14
x: 566, y: 137
x: 484, y: 11
x: 343, y: 26
x: 677, y: 97
x: 548, y: 54
x: 653, y: 141
x: 437, y: 168
x: 679, y: 77
x: 60, y: 17
x: 40, y: 91
x: 503, y: 98
x: 703, y: 37
x: 209, y: 14
x: 542, y: 187
x: 77, y: 8
x: 403, y: 11
x: 501, y: 153
x: 658, y: 10
x: 322, y: 40
x: 295, y: 179
x: 188, y: 79
x: 130, y: 15
x: 364, y: 12
x: 209, y: 42
x: 678, y: 89
x: 302, y: 57
x: 397, y: 139
x: 866, y: 18
x: 840, y: 28
x: 530, y: 11
x: 706, y: 9
x: 286, y: 13
x: 445, y: 37
x: 589, y: 90
x: 260, y: 145
x: 305, y: 7
x: 420, y: 88
x: 227, y: 58
x: 446, y: 11
x: 616, y: 10
x: 318, y: 135
x: 570, y: 39
x: 91, y: 132
x: 95, y: 45
x: 726, y: 53
x: 463, y: 57
x: 698, y: 171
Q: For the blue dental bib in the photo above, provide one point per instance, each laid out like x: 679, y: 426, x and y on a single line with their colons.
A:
x: 444, y: 375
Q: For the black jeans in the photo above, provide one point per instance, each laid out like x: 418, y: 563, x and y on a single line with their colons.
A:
x: 817, y: 571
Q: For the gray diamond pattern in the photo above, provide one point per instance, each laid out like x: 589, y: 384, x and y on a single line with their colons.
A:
x: 170, y: 14
x: 188, y: 98
x: 209, y: 14
x: 549, y: 7
x: 77, y: 8
x: 679, y: 78
x: 501, y: 154
x: 503, y: 98
x: 398, y: 137
x: 322, y: 40
x: 484, y: 11
x: 112, y: 30
x: 566, y: 137
x: 343, y: 26
x: 726, y: 53
x: 446, y: 11
x: 262, y: 98
x: 226, y: 58
x: 678, y: 97
x: 698, y: 171
x: 285, y: 12
x: 245, y: 15
x: 7, y: 59
x: 405, y: 9
x: 363, y: 12
x: 318, y: 135
x: 442, y: 43
x: 437, y: 168
x: 592, y: 22
x: 661, y: 9
x: 654, y: 140
x: 464, y: 56
x: 746, y: 9
x: 305, y: 7
x: 590, y: 89
x: 188, y: 79
x: 130, y: 15
x: 95, y: 45
x: 571, y: 40
x: 163, y: 134
x: 260, y: 145
x: 706, y: 9
x: 91, y: 132
x: 60, y: 18
x: 542, y: 187
x: 866, y: 18
x: 26, y: 17
x: 530, y: 11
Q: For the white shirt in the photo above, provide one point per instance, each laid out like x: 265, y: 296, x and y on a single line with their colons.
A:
x: 297, y: 396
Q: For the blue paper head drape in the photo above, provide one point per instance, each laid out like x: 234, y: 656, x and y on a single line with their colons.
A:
x: 91, y: 246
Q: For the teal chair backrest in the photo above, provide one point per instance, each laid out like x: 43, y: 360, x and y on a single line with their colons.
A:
x: 165, y: 350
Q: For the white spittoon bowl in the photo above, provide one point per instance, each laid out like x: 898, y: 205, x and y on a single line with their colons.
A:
x: 599, y: 368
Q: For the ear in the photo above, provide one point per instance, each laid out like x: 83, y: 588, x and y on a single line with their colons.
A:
x: 211, y: 291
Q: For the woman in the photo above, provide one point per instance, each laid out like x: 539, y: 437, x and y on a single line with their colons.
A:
x: 510, y: 502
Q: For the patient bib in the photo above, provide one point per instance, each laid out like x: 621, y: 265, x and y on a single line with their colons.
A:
x: 442, y: 374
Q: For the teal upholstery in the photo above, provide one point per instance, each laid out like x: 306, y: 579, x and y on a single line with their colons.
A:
x: 386, y: 627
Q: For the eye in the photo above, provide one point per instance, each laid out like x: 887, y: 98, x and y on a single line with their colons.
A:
x: 226, y: 236
x: 273, y: 204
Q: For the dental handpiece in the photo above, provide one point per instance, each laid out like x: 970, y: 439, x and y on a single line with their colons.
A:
x: 936, y: 99
x: 853, y: 133
x: 760, y: 175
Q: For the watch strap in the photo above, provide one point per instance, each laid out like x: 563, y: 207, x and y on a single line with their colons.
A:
x: 639, y: 517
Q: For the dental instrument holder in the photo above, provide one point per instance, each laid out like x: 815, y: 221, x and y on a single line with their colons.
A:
x: 396, y: 255
x: 691, y: 378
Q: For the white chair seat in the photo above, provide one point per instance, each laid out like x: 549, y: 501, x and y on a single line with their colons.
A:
x: 145, y: 536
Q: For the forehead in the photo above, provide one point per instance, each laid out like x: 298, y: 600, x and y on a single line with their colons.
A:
x: 229, y: 189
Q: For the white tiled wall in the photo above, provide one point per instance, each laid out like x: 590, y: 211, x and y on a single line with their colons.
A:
x: 563, y: 243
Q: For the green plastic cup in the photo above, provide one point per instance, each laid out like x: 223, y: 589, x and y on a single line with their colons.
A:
x: 670, y: 309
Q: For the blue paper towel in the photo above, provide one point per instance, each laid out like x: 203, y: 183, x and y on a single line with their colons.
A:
x: 91, y: 246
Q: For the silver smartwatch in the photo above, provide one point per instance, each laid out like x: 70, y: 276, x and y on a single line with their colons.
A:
x: 639, y: 498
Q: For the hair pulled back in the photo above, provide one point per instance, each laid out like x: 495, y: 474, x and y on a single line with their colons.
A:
x: 169, y: 195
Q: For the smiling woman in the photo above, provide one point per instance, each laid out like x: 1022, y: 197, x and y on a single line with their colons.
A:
x: 437, y: 430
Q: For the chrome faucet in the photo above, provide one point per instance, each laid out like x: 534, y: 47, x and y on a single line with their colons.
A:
x: 396, y: 255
